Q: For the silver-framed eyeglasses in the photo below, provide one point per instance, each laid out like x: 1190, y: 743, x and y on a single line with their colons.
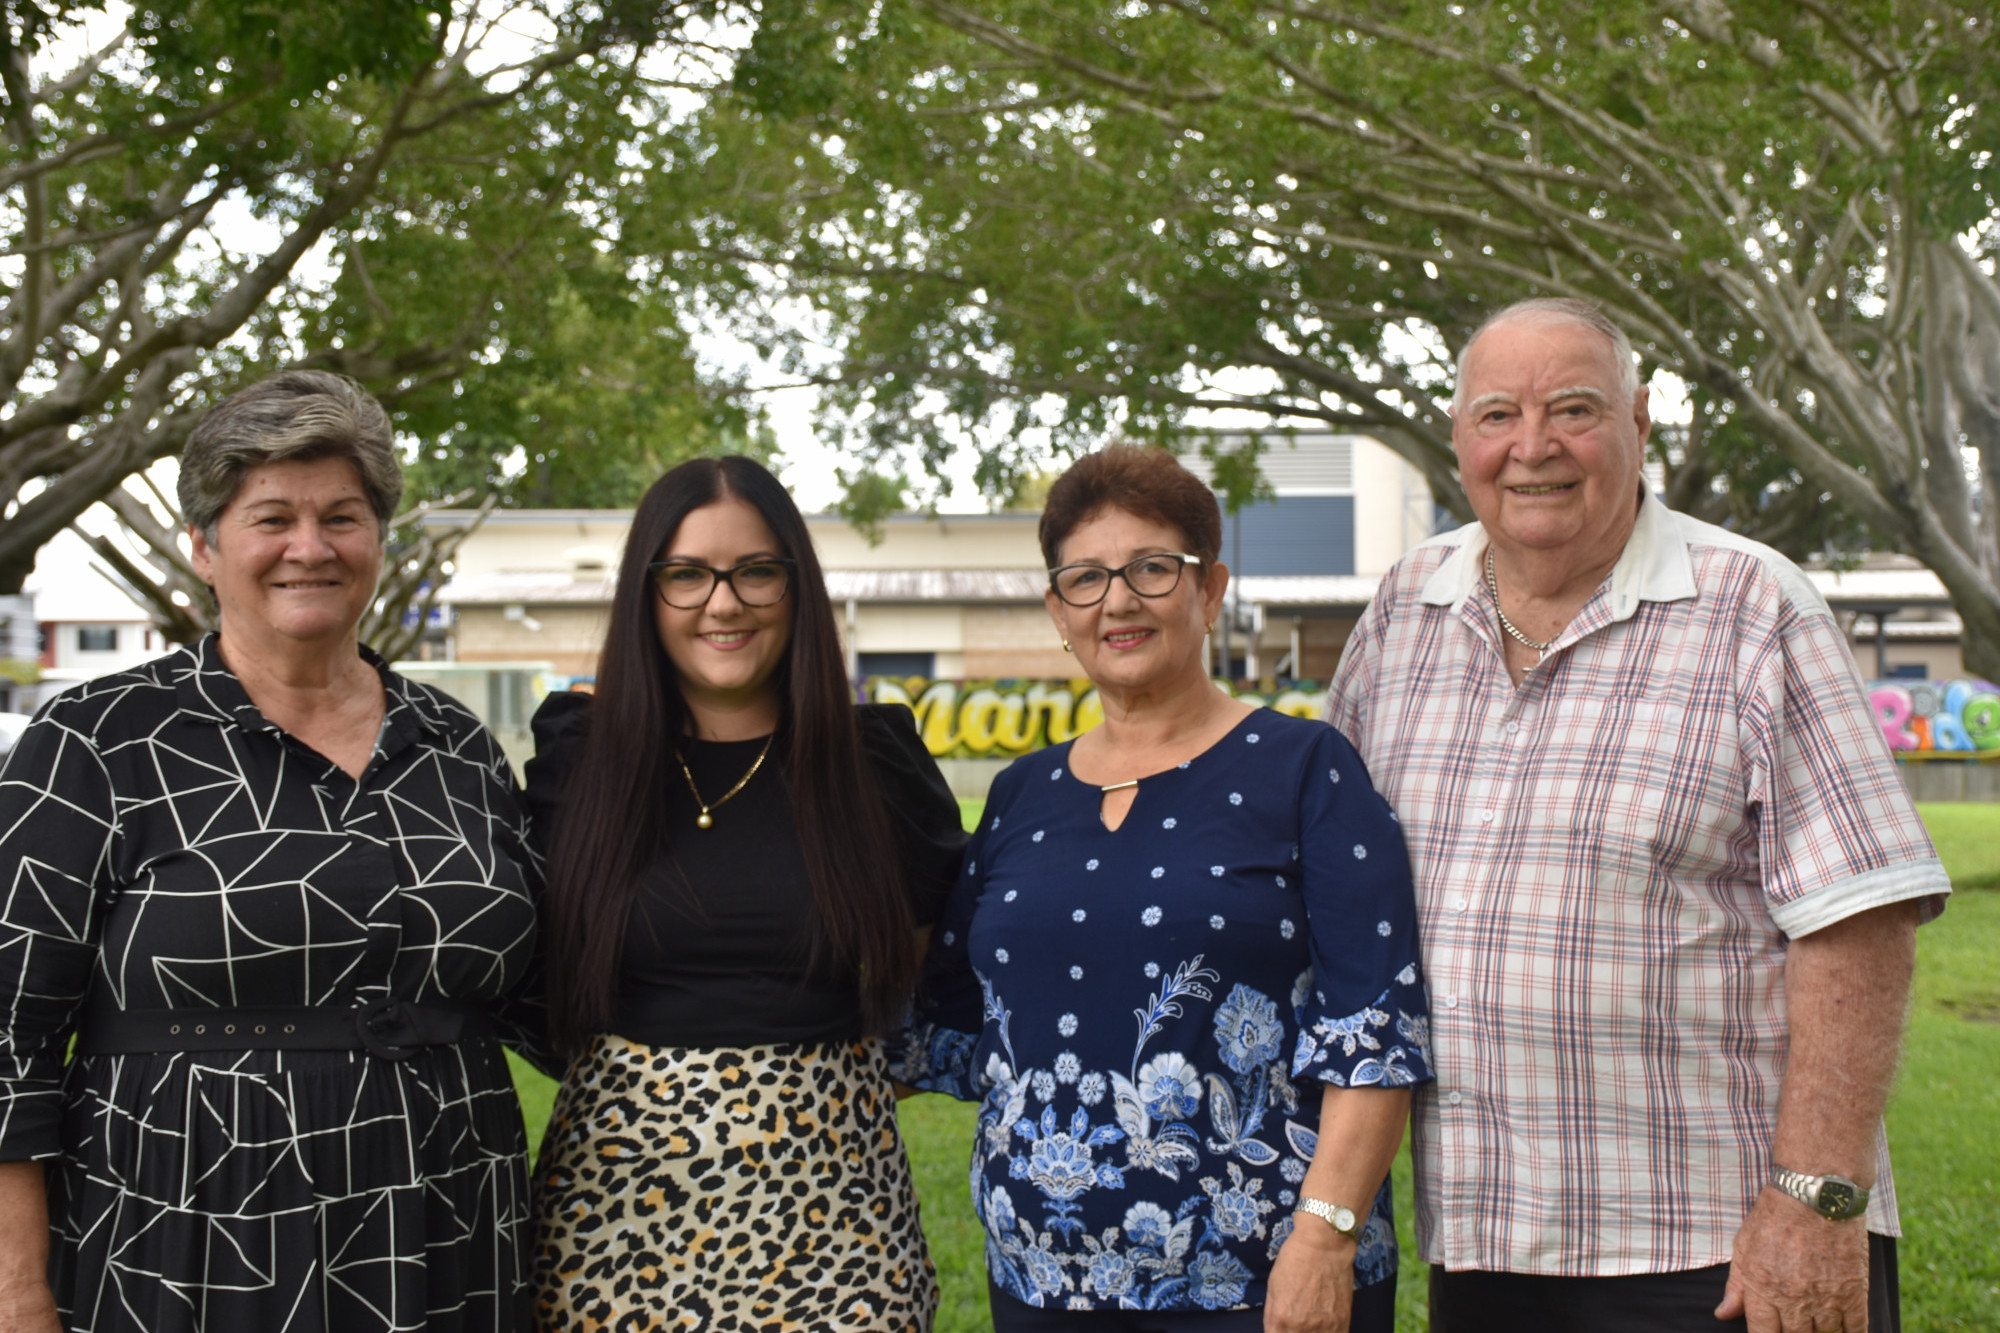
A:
x: 1148, y: 576
x: 687, y: 586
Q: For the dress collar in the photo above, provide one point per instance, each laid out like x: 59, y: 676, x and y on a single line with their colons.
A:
x: 209, y: 691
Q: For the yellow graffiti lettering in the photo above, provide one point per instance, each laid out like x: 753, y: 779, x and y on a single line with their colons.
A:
x: 1001, y: 719
x: 978, y: 719
x: 936, y: 708
x: 1049, y: 710
x: 1089, y: 711
x: 1298, y: 703
x: 1014, y: 730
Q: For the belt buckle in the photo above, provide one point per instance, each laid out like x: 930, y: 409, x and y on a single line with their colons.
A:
x: 378, y: 1023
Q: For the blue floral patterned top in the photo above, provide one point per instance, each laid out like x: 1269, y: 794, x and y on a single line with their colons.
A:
x: 1139, y: 1011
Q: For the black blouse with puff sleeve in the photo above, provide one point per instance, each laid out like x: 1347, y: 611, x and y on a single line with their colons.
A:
x: 718, y: 943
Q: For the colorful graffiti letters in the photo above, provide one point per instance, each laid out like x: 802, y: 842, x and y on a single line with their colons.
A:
x: 998, y: 719
x: 1926, y: 718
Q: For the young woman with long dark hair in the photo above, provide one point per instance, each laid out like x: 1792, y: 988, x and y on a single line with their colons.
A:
x: 740, y: 862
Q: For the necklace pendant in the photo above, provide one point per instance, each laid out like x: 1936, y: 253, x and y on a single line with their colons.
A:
x: 703, y: 821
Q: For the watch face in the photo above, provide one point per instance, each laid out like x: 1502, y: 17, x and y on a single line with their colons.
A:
x: 1343, y: 1220
x: 1835, y: 1198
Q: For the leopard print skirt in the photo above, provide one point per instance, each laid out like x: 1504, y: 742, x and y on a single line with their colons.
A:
x: 702, y: 1190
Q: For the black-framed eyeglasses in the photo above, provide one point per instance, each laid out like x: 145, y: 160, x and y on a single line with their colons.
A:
x: 687, y: 586
x: 1149, y: 576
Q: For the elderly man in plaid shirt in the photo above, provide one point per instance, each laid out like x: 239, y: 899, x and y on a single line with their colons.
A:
x: 1667, y: 882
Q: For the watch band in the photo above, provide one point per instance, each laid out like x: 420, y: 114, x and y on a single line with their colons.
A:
x: 1340, y: 1219
x: 1836, y: 1198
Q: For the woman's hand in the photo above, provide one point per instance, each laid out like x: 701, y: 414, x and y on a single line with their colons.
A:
x: 1311, y: 1289
x: 26, y: 1303
x: 29, y: 1307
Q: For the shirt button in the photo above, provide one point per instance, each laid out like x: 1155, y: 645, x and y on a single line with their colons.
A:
x: 1460, y: 904
x: 1486, y: 816
x: 1451, y: 1002
x: 1453, y: 1099
x: 1513, y: 727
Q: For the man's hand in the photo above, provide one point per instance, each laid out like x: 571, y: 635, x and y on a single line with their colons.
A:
x: 1795, y: 1272
x: 1312, y: 1285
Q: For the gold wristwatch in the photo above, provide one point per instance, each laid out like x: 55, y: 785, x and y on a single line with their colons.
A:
x: 1340, y: 1219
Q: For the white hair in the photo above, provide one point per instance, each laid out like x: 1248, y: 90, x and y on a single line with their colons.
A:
x: 1557, y: 310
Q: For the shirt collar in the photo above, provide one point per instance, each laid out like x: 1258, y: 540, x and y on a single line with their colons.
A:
x: 210, y: 691
x: 1654, y: 566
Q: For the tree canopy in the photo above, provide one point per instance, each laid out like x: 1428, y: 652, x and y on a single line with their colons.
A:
x: 1133, y: 210
x: 413, y: 192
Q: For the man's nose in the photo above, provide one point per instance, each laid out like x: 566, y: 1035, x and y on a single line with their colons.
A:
x: 1538, y: 438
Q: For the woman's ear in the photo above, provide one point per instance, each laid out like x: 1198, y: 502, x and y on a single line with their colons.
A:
x: 200, y: 555
x: 1214, y: 589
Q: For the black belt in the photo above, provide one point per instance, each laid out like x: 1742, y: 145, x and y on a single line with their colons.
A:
x: 389, y: 1029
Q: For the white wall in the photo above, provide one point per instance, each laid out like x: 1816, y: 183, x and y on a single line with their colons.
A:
x: 1392, y: 507
x: 137, y: 642
x: 528, y: 541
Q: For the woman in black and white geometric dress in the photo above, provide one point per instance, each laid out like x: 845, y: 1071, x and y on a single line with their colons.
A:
x: 274, y: 891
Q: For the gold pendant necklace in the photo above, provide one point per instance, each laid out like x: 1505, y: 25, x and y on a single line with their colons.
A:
x: 705, y: 820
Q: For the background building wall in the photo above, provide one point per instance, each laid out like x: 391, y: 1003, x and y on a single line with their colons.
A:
x: 1013, y: 642
x: 916, y: 541
x: 568, y: 638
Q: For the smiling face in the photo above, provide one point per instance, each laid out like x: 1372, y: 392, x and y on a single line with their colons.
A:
x: 296, y: 556
x: 1549, y: 446
x: 1127, y: 641
x: 723, y: 652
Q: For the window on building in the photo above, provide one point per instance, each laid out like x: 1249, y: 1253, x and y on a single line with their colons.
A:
x: 97, y: 639
x: 898, y: 664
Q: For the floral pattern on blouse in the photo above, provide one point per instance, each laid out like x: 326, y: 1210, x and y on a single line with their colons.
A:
x: 1142, y: 1012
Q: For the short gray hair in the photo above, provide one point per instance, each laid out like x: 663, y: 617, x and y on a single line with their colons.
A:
x: 297, y: 415
x: 1556, y: 310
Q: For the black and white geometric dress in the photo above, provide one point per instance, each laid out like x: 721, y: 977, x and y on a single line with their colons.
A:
x: 164, y: 845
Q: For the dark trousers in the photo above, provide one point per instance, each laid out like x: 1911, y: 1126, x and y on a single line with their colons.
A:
x: 1642, y: 1303
x: 1374, y: 1312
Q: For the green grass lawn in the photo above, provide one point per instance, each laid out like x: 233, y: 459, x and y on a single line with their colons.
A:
x: 1944, y: 1121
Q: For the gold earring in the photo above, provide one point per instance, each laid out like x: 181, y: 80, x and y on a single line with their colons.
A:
x: 1210, y: 629
x: 1066, y: 647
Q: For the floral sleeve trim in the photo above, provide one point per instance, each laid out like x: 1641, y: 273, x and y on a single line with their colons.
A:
x: 938, y: 1059
x: 1383, y: 1044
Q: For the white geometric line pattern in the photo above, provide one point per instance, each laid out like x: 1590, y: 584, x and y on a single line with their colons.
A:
x: 163, y: 845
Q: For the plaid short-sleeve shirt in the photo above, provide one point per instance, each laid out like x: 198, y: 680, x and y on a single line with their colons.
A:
x: 1609, y: 862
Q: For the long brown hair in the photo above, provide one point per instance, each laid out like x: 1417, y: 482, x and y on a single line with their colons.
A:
x: 608, y: 829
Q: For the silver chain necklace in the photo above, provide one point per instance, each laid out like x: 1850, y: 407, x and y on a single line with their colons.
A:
x: 1493, y: 586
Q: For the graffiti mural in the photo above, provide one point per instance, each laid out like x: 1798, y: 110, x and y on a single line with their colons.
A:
x: 998, y: 719
x: 1938, y: 718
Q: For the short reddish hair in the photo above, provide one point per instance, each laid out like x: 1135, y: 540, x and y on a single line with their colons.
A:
x: 1143, y: 481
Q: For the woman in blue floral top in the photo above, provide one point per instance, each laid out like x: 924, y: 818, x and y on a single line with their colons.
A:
x: 1179, y: 973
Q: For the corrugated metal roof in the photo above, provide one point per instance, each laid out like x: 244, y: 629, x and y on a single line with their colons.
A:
x: 862, y: 585
x: 936, y: 585
x: 1308, y: 463
x: 1910, y: 586
x: 1341, y: 590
